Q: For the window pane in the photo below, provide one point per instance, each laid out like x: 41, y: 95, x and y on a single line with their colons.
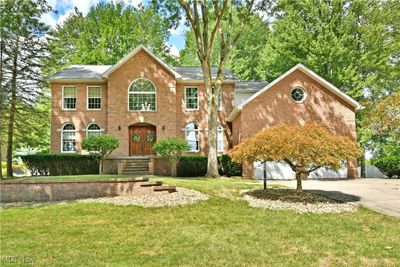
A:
x: 192, y: 136
x: 69, y: 103
x: 69, y: 91
x: 142, y: 102
x: 94, y: 103
x: 68, y: 142
x: 191, y: 97
x: 94, y: 91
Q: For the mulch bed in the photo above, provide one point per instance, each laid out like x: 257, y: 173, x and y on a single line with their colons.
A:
x: 290, y: 195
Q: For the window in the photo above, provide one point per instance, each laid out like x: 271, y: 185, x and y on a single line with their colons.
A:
x: 68, y: 138
x: 298, y: 94
x: 93, y: 129
x: 192, y: 136
x: 220, y: 138
x: 142, y: 96
x: 69, y: 97
x: 94, y: 97
x: 191, y: 98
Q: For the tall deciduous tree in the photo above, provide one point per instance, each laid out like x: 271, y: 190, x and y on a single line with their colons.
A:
x: 305, y: 148
x: 211, y: 22
x: 107, y: 33
x: 23, y: 49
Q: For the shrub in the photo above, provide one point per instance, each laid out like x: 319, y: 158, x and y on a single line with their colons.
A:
x: 101, y: 146
x: 61, y: 164
x: 227, y: 167
x: 171, y: 149
x: 388, y: 164
x: 192, y: 166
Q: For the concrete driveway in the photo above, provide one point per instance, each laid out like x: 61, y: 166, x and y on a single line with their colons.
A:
x: 382, y: 195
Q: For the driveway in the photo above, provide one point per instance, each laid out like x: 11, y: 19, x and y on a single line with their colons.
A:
x: 382, y: 195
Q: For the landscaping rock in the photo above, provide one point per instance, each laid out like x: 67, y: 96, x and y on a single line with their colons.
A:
x: 300, y: 202
x: 182, y: 196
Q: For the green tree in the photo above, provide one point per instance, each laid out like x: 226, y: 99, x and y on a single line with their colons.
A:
x: 171, y: 149
x: 23, y: 51
x: 101, y: 145
x: 107, y: 33
x: 304, y: 148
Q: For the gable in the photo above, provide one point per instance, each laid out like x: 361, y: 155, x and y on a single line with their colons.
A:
x: 303, y: 74
x: 133, y: 53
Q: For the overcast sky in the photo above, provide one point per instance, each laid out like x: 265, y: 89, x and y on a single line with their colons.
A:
x: 65, y: 7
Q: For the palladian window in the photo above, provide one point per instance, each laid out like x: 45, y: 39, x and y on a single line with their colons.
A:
x: 68, y: 138
x: 142, y: 96
x: 93, y: 129
x: 192, y: 136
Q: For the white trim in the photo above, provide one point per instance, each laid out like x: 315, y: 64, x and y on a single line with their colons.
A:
x: 309, y: 73
x: 62, y: 97
x: 222, y: 131
x: 201, y: 81
x: 134, y: 52
x: 304, y: 91
x: 198, y: 98
x: 62, y: 138
x: 87, y: 97
x: 198, y: 136
x: 155, y: 100
x: 88, y: 131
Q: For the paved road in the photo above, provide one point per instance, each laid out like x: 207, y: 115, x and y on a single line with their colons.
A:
x: 382, y: 195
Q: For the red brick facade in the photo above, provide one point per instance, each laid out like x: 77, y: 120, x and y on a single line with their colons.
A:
x: 170, y: 117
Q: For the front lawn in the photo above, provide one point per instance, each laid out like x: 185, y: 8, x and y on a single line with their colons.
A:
x: 221, y: 231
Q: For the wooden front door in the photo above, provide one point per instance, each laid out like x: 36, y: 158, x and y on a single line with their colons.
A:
x: 141, y: 139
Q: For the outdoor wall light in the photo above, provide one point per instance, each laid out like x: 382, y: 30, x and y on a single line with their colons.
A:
x: 119, y: 128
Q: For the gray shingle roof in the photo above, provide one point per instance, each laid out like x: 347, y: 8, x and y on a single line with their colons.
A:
x: 251, y: 85
x: 196, y: 73
x: 88, y: 72
x: 76, y: 72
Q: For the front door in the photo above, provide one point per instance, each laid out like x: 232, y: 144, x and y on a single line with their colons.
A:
x: 141, y: 139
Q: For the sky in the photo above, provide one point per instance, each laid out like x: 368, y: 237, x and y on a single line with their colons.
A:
x: 65, y: 7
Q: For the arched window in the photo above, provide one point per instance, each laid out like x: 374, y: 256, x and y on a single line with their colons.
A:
x: 93, y: 129
x: 68, y: 138
x: 220, y: 138
x: 192, y: 136
x: 142, y: 95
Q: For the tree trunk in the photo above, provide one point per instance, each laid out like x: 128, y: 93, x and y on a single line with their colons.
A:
x: 363, y: 167
x: 101, y: 166
x: 299, y: 187
x: 13, y: 102
x: 212, y: 160
x: 173, y: 169
x: 265, y: 175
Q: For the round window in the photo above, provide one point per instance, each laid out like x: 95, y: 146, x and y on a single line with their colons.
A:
x: 298, y: 94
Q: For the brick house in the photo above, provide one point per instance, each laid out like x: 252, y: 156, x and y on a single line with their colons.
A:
x: 141, y: 99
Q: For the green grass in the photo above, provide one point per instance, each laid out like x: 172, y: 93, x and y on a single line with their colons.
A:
x: 221, y: 231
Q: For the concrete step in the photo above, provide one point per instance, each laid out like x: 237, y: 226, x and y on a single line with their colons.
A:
x: 151, y: 184
x: 146, y: 168
x: 135, y: 173
x: 168, y: 188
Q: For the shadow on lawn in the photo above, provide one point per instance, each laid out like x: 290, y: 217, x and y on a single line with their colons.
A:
x: 336, y: 195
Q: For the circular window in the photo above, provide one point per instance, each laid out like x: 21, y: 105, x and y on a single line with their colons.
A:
x: 298, y: 94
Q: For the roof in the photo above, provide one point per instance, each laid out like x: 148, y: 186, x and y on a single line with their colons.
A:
x: 196, y: 73
x: 101, y: 72
x: 250, y: 85
x: 235, y: 112
x: 79, y: 72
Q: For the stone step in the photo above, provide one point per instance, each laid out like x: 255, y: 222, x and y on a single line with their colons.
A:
x: 137, y: 165
x: 135, y: 173
x: 151, y: 184
x: 136, y: 169
x: 168, y: 188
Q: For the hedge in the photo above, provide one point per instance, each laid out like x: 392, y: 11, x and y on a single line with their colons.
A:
x: 61, y: 164
x: 194, y: 166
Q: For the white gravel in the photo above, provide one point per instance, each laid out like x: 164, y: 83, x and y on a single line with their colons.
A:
x: 182, y: 196
x: 300, y: 207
